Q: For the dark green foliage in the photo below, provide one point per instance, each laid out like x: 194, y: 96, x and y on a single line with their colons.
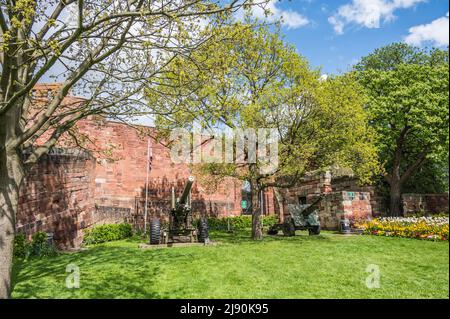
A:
x: 107, y: 232
x: 21, y: 246
x: 431, y: 177
x: 39, y: 246
x: 238, y: 222
x: 389, y: 57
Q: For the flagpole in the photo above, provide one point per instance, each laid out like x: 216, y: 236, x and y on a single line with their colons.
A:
x: 146, y: 187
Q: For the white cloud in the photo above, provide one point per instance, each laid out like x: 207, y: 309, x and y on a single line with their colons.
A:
x: 435, y: 32
x: 368, y: 13
x: 290, y: 19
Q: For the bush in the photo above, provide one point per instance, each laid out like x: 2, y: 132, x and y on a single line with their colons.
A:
x: 430, y: 228
x: 238, y: 222
x: 107, y: 232
x: 269, y: 221
x: 21, y: 246
x: 39, y: 246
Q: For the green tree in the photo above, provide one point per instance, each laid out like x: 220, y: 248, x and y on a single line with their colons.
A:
x: 259, y: 81
x: 407, y: 89
x: 105, y: 49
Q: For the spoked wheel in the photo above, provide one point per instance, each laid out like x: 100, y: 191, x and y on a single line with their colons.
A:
x: 314, y: 230
x: 272, y: 230
x: 155, y: 232
x: 203, y: 231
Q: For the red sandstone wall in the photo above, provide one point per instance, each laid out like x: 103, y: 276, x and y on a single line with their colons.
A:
x: 343, y: 204
x: 56, y: 197
x: 343, y: 199
x: 120, y: 181
x: 349, y: 184
x: 432, y: 203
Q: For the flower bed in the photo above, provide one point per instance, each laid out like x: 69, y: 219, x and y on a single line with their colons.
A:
x: 429, y: 228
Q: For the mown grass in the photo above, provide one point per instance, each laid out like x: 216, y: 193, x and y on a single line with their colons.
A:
x: 325, y: 266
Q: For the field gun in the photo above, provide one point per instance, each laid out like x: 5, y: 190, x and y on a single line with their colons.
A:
x: 301, y: 217
x: 180, y: 228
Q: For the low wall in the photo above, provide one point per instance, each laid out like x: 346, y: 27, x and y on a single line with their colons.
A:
x: 416, y: 203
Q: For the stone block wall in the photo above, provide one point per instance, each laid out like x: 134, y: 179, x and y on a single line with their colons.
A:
x: 56, y: 197
x: 377, y: 201
x: 416, y: 203
x: 341, y: 198
x: 343, y: 204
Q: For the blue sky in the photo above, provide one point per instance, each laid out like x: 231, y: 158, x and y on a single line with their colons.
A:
x: 334, y: 34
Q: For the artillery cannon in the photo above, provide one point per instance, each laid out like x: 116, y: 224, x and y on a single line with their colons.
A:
x: 180, y: 227
x: 301, y: 217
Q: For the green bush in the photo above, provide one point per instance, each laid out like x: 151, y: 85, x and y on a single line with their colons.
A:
x: 38, y: 247
x: 269, y: 221
x: 107, y: 232
x: 238, y: 222
x: 21, y: 246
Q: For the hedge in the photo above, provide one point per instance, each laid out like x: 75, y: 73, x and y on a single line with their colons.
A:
x: 239, y: 222
x: 107, y: 232
x: 37, y: 247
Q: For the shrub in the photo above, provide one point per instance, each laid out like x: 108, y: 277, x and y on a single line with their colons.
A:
x: 270, y: 220
x: 238, y: 222
x: 429, y: 228
x: 39, y: 246
x: 21, y: 246
x: 107, y: 232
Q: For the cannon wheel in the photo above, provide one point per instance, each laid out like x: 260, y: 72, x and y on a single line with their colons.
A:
x: 314, y: 230
x: 155, y: 232
x: 288, y: 228
x: 273, y: 230
x: 203, y: 232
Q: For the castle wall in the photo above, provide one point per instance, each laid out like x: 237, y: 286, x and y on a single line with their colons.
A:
x: 430, y: 203
x: 56, y: 197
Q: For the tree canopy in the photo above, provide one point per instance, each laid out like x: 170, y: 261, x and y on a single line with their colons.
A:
x: 407, y: 90
x: 259, y: 81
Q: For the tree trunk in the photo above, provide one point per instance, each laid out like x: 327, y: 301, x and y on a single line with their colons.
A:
x: 395, y: 180
x: 395, y: 198
x: 11, y: 175
x: 280, y: 201
x: 257, y: 233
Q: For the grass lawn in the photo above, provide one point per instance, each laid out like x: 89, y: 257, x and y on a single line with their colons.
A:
x: 325, y: 266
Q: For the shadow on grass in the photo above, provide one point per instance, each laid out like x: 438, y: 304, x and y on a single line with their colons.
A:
x: 121, y: 269
x: 244, y: 237
x: 105, y: 272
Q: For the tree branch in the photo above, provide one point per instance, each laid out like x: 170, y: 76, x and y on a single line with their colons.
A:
x: 413, y: 167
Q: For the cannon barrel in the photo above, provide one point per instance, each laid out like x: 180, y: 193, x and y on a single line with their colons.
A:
x: 186, y: 190
x: 312, y: 206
